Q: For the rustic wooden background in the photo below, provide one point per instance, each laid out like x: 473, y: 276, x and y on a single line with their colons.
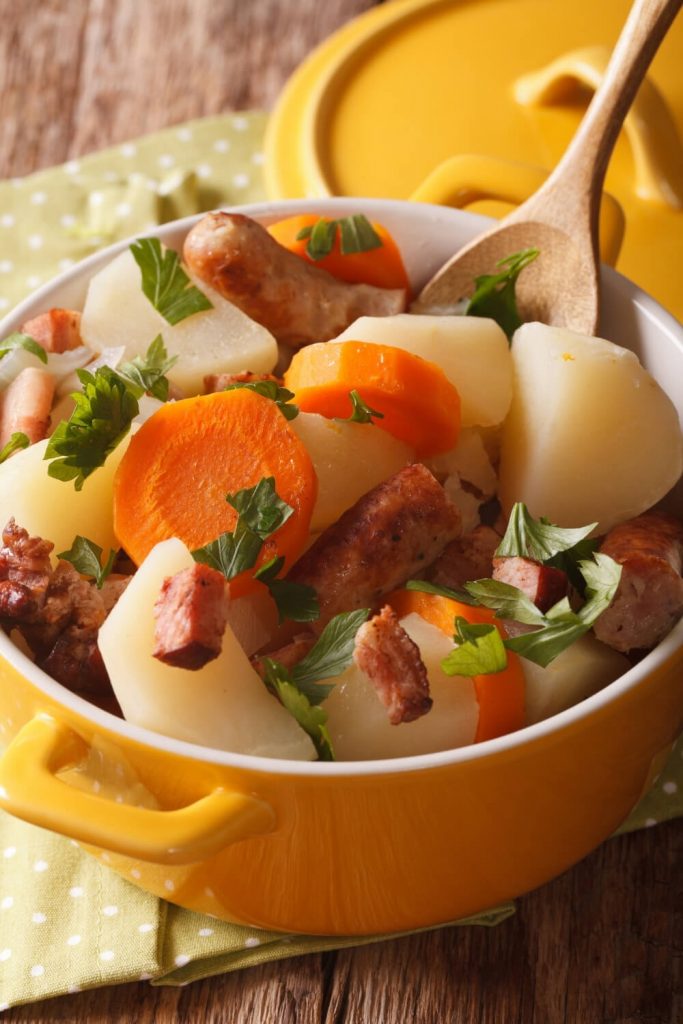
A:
x: 601, y: 945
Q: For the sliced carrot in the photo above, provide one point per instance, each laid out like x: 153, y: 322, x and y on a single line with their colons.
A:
x: 419, y: 404
x: 500, y: 695
x: 179, y: 466
x: 382, y: 266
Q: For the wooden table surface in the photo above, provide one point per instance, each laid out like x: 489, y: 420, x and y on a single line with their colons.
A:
x: 603, y: 943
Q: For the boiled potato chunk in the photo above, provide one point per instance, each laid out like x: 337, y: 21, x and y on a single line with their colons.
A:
x: 222, y: 339
x: 472, y: 351
x: 349, y: 459
x: 54, y: 509
x: 223, y: 705
x: 580, y: 671
x: 358, y: 722
x: 590, y: 437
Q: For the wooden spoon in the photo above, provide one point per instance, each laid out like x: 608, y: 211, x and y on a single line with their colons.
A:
x: 562, y: 286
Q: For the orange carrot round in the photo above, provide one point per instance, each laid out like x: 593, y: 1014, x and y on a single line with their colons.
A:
x: 419, y: 404
x: 179, y: 466
x: 382, y: 266
x: 500, y: 695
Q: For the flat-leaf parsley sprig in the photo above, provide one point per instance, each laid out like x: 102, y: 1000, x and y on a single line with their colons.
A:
x: 165, y: 283
x: 105, y: 409
x: 260, y: 512
x: 301, y: 689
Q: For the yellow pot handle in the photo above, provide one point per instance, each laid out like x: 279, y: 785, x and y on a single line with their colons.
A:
x: 30, y: 789
x: 465, y: 179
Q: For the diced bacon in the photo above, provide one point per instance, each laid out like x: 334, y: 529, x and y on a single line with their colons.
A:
x: 57, y: 330
x: 296, y: 301
x: 392, y: 663
x: 25, y: 561
x: 389, y: 535
x: 26, y: 404
x: 191, y: 615
x: 289, y: 655
x: 649, y: 599
x: 542, y: 584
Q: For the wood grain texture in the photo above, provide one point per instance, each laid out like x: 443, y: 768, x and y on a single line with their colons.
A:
x: 603, y: 944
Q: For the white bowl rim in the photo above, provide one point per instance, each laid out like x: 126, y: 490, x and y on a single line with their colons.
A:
x: 551, y: 727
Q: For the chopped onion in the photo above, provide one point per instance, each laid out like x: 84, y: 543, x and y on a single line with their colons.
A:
x: 107, y: 357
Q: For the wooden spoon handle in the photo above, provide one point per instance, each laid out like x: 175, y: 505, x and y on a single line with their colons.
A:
x: 573, y: 189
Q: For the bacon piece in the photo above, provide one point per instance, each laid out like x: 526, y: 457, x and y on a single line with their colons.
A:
x: 392, y: 663
x: 25, y: 405
x: 191, y: 614
x: 466, y: 558
x: 57, y: 330
x: 220, y: 381
x: 542, y: 584
x: 297, y: 302
x: 389, y: 535
x: 649, y: 598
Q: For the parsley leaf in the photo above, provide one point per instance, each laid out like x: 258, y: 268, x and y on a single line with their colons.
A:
x: 538, y: 538
x: 86, y: 558
x: 432, y: 588
x: 17, y: 441
x: 270, y: 389
x: 332, y: 651
x: 25, y: 341
x: 494, y: 294
x: 105, y: 409
x: 295, y: 601
x: 356, y: 235
x: 305, y: 710
x: 480, y: 650
x: 260, y: 508
x: 165, y: 283
x: 260, y: 512
x: 146, y: 374
x: 506, y: 601
x: 362, y: 413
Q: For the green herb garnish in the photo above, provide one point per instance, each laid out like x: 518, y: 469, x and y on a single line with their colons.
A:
x: 165, y: 283
x: 18, y: 340
x: 310, y: 717
x: 538, y: 538
x: 105, y: 409
x: 300, y: 689
x: 86, y: 558
x: 17, y: 441
x: 494, y: 294
x: 356, y: 235
x: 480, y: 650
x: 260, y: 512
x: 146, y: 375
x: 361, y: 412
x: 270, y: 389
x: 433, y: 588
x: 295, y: 601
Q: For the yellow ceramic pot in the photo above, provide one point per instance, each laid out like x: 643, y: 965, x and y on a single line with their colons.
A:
x: 358, y: 847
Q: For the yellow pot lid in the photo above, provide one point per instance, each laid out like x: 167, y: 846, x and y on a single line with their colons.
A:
x: 470, y: 102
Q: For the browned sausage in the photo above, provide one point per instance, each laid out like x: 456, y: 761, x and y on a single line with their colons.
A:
x: 389, y: 535
x: 220, y: 381
x: 469, y: 557
x: 649, y: 599
x: 296, y: 301
x: 392, y: 663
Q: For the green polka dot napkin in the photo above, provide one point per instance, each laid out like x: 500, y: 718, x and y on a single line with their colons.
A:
x: 67, y: 922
